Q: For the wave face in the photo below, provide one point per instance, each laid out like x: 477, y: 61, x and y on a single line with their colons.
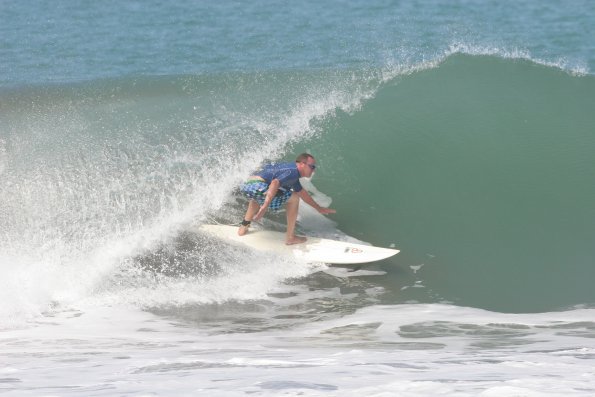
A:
x: 481, y: 169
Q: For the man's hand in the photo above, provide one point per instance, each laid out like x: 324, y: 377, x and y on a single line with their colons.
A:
x: 326, y: 211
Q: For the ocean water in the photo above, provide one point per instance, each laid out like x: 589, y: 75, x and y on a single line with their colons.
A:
x: 460, y: 132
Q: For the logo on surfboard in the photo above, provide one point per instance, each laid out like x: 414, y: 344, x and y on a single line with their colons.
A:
x: 353, y: 250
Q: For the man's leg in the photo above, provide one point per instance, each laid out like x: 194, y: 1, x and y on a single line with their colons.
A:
x: 293, y: 204
x: 250, y: 212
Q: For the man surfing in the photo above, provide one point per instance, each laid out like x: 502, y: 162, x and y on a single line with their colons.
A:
x: 275, y: 185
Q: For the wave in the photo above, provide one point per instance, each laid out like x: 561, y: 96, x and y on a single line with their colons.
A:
x: 97, y: 178
x: 479, y: 170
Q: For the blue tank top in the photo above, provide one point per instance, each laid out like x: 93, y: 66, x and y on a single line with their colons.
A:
x: 287, y: 174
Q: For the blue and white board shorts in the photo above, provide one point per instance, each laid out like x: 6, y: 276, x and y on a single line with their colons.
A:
x: 257, y: 190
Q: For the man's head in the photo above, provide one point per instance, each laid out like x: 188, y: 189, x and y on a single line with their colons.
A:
x: 306, y: 164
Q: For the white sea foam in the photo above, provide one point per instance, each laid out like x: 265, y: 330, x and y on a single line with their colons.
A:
x: 409, y: 350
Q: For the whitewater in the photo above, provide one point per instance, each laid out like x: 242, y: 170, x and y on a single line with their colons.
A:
x: 460, y: 133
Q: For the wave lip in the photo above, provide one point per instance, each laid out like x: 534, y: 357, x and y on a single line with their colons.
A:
x: 574, y: 68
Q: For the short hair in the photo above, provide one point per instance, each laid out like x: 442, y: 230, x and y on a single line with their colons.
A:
x: 302, y: 158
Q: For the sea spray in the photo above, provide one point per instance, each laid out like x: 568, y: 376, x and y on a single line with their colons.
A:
x: 103, y: 172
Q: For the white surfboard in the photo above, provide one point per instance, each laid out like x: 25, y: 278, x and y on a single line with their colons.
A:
x: 313, y: 250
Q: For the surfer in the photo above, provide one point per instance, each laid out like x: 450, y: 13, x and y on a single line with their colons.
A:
x: 275, y: 185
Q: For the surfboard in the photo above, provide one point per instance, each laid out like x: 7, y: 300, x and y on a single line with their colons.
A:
x: 313, y: 250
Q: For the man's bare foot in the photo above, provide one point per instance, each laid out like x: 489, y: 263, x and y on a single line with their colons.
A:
x: 295, y: 240
x: 243, y: 230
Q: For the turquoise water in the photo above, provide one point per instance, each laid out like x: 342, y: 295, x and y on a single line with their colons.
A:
x: 481, y: 167
x: 458, y: 132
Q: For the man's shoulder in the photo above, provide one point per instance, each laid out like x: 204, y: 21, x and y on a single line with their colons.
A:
x: 286, y: 165
x: 283, y: 166
x: 286, y: 173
